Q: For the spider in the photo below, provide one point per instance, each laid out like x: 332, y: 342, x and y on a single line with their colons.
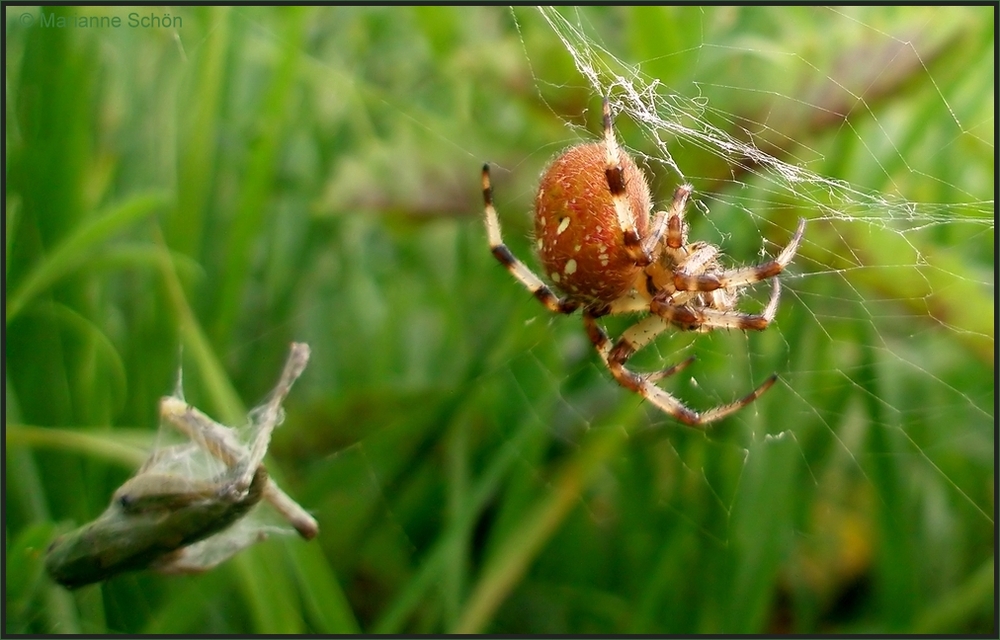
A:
x: 606, y: 254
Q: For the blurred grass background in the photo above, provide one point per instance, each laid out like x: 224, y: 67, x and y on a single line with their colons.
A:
x: 205, y: 194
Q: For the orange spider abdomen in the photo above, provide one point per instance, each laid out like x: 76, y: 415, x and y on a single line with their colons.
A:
x: 579, y: 239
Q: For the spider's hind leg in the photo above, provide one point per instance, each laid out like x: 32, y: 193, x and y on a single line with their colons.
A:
x: 615, y: 356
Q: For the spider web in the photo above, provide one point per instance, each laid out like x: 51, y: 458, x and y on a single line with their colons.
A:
x: 870, y: 260
x: 882, y: 308
x: 878, y: 311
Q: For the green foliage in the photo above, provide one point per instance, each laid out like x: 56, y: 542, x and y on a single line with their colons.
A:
x: 204, y: 194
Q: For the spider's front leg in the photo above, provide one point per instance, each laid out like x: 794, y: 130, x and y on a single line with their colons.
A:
x: 614, y: 358
x: 687, y: 277
x: 675, y: 309
x: 517, y: 268
x: 614, y: 174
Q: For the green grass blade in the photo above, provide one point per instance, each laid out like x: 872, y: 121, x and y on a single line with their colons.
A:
x: 75, y: 250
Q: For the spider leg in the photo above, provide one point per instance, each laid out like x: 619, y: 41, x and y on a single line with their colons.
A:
x: 701, y: 318
x: 631, y: 302
x: 614, y: 359
x: 638, y: 336
x: 615, y: 175
x: 686, y: 281
x: 651, y: 246
x: 696, y: 261
x: 668, y: 225
x: 677, y: 227
x: 517, y: 268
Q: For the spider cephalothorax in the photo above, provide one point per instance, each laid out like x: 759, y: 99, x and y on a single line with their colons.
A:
x: 601, y: 248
